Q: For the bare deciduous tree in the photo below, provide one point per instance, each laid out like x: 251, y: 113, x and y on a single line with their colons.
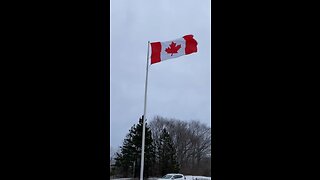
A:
x: 192, y: 141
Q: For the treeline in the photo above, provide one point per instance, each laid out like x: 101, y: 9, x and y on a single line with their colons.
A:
x: 171, y: 145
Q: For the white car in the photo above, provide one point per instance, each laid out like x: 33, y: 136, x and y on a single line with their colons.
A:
x: 173, y: 176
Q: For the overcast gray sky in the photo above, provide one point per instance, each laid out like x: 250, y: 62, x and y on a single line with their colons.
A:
x: 177, y: 88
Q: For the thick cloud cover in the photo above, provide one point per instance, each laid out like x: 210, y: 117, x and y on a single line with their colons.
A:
x: 177, y: 88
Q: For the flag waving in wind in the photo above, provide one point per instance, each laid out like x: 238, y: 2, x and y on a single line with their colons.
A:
x: 161, y: 51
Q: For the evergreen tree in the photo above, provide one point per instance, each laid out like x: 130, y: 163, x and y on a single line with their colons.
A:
x: 167, y: 154
x: 128, y: 161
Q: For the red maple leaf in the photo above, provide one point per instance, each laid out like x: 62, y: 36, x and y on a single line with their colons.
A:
x: 173, y: 48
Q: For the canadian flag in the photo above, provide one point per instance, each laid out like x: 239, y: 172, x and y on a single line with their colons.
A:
x: 161, y: 51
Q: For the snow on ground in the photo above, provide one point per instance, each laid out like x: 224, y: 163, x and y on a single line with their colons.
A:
x: 188, y: 177
x: 132, y: 178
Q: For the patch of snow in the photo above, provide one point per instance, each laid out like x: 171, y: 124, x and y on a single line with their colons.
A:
x: 188, y: 177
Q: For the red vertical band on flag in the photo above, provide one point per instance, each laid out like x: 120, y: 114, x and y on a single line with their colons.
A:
x: 191, y: 44
x: 155, y: 52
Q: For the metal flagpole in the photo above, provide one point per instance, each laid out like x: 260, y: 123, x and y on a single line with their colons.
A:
x: 144, y: 117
